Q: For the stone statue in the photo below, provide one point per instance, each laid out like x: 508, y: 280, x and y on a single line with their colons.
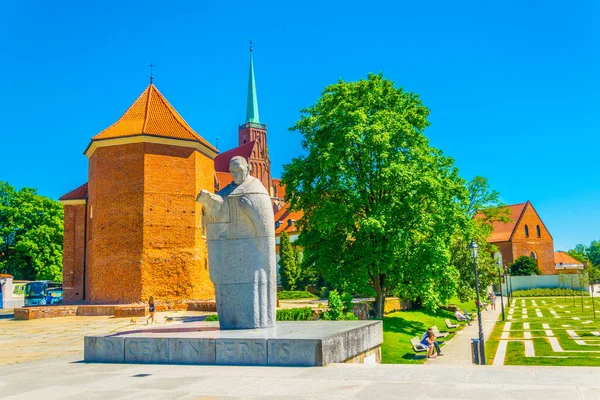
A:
x: 241, y: 250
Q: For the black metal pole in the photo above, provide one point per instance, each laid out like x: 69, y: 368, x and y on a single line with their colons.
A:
x: 581, y: 290
x: 592, y: 285
x: 481, y: 343
x: 501, y: 297
x: 572, y: 291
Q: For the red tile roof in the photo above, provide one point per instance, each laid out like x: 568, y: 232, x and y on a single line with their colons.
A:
x: 283, y: 216
x: 76, y: 194
x: 502, y: 231
x: 151, y: 114
x: 565, y: 259
x: 222, y: 159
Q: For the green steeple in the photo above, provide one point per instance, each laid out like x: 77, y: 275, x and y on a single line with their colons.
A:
x: 252, y: 106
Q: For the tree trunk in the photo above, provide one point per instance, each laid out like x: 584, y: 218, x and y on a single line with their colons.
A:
x: 379, y: 298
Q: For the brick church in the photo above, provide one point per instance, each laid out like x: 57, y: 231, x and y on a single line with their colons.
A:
x: 525, y: 235
x: 134, y: 230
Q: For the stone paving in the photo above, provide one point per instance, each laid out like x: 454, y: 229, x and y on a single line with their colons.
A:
x: 68, y: 378
x: 24, y: 341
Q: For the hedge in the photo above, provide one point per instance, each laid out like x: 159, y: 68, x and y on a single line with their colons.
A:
x: 285, y: 314
x: 295, y: 295
x: 548, y: 292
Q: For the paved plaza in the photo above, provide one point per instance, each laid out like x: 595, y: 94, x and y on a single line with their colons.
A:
x: 69, y: 378
x: 42, y: 359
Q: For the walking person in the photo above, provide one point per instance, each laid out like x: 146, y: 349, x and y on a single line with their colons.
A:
x: 151, y: 310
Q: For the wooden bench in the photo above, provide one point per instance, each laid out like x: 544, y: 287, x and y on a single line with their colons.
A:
x: 450, y: 325
x: 437, y: 332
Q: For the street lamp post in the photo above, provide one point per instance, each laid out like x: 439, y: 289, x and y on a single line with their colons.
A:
x: 500, y: 276
x: 508, y: 285
x: 474, y: 250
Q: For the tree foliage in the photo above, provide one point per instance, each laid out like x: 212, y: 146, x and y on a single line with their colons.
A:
x: 288, y: 267
x: 484, y: 207
x: 524, y: 266
x: 380, y: 204
x: 31, y: 234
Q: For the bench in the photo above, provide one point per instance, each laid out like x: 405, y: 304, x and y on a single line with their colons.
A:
x: 437, y: 332
x: 417, y: 346
x: 450, y: 325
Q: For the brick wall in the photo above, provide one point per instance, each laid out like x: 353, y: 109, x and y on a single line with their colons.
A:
x: 145, y: 235
x: 115, y: 217
x: 73, y: 253
x: 543, y: 246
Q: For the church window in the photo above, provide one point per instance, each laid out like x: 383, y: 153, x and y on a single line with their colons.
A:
x: 526, y: 231
x: 534, y: 256
x: 538, y: 231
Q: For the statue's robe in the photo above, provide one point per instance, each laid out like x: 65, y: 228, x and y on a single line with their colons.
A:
x: 241, y: 254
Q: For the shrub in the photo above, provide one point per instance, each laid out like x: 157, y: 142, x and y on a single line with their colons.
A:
x: 212, y: 317
x: 337, y: 310
x: 547, y: 292
x: 295, y: 314
x: 295, y: 294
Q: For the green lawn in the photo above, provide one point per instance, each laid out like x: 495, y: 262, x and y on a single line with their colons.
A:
x: 401, y: 326
x: 553, y: 344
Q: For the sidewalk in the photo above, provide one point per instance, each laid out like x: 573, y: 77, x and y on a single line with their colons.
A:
x: 458, y: 349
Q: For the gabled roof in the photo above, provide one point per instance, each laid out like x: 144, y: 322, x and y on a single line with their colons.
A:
x: 76, y: 194
x: 222, y: 159
x: 151, y: 114
x: 563, y: 258
x: 502, y: 231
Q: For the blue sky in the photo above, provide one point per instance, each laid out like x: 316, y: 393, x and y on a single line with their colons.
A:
x: 513, y: 86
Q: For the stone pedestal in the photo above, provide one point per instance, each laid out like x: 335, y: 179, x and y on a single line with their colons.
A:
x: 313, y: 343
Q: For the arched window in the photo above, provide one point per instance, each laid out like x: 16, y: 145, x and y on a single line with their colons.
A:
x: 538, y: 231
x: 526, y: 231
x: 534, y: 256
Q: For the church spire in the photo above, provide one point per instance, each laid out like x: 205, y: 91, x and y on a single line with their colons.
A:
x: 252, y: 105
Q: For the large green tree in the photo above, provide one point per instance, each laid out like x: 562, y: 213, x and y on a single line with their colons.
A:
x: 31, y: 234
x: 380, y: 204
x: 524, y: 266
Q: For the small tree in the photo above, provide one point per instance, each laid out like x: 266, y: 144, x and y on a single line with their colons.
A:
x: 288, y: 269
x: 524, y: 266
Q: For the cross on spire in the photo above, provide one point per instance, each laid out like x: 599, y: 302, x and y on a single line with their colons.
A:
x: 151, y: 70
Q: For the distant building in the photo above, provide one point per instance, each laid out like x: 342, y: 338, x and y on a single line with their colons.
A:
x: 565, y: 263
x: 526, y: 235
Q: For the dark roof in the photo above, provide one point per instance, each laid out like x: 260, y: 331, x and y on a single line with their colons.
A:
x: 76, y: 194
x: 222, y: 159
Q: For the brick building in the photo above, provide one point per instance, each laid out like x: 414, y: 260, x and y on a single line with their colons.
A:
x: 526, y: 235
x: 134, y: 230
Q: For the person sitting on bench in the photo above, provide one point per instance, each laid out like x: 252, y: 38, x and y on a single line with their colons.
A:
x: 425, y: 341
x: 462, y: 317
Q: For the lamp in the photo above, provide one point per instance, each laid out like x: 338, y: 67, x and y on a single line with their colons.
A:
x: 474, y: 249
x: 500, y: 276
